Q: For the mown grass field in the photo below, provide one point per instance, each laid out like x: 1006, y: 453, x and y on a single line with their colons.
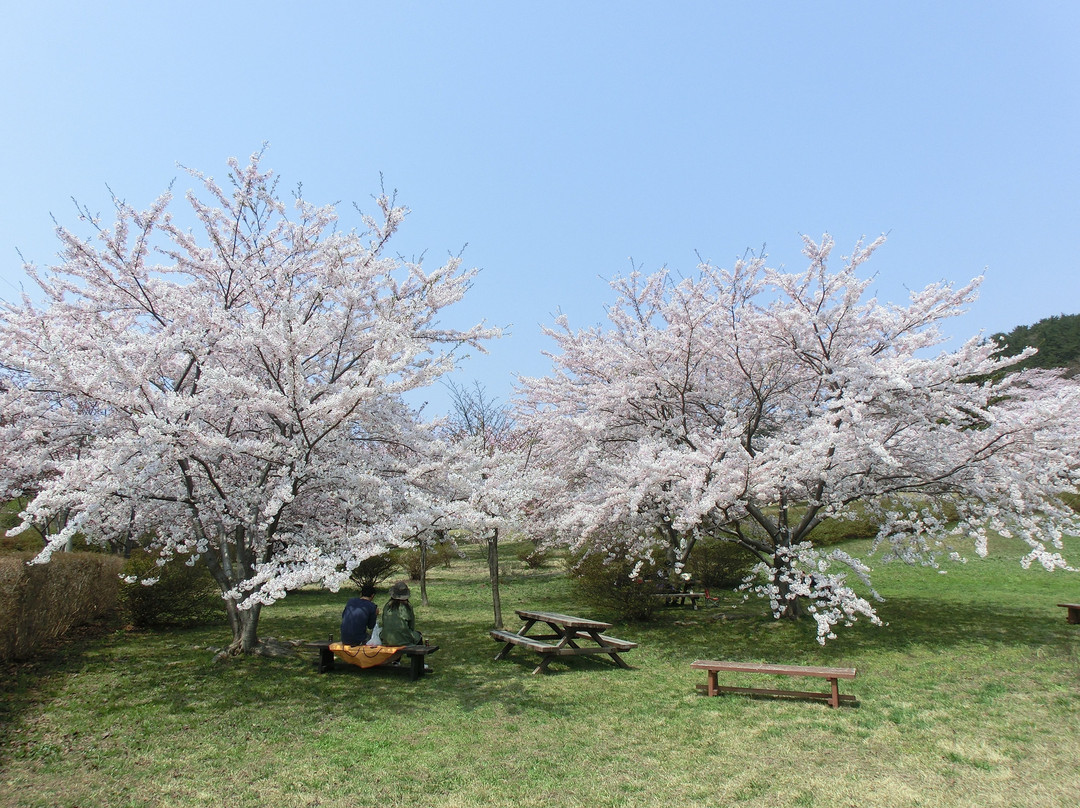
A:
x: 970, y: 696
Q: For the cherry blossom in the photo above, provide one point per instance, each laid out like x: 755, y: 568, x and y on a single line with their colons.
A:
x: 752, y: 404
x: 229, y: 393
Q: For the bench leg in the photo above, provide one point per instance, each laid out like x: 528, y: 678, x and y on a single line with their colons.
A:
x: 713, y: 690
x: 326, y: 660
x: 416, y: 666
x: 834, y: 697
x: 1073, y: 615
x: 618, y: 660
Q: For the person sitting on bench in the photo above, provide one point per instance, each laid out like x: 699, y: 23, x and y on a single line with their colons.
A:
x: 359, y: 617
x: 398, y: 623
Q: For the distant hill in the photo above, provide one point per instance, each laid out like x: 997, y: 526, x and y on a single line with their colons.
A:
x: 1057, y: 338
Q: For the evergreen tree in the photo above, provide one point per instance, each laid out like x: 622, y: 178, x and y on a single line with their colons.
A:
x: 1057, y: 339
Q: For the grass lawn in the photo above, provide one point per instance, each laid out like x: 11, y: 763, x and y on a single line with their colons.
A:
x: 970, y: 696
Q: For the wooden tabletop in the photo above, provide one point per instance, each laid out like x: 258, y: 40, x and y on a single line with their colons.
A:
x: 564, y: 620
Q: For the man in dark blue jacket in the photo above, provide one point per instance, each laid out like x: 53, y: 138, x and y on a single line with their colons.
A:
x: 359, y: 617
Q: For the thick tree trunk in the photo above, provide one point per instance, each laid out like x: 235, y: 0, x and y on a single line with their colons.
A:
x: 493, y: 573
x: 245, y: 628
x: 790, y: 608
x: 244, y: 623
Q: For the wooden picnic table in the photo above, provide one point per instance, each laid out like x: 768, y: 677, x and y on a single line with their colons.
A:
x: 567, y: 630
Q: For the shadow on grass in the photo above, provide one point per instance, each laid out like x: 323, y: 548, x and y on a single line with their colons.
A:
x: 927, y: 622
x: 173, y: 672
x: 26, y: 683
x: 910, y: 622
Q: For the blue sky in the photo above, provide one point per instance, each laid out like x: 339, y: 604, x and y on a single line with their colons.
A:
x: 560, y: 140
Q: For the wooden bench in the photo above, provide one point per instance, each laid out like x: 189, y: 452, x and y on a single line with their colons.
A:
x: 532, y: 643
x: 614, y: 642
x: 680, y: 598
x: 834, y: 697
x: 1073, y: 615
x: 416, y: 654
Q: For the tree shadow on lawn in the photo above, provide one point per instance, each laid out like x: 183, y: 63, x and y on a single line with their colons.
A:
x: 753, y: 634
x: 33, y: 681
x: 943, y: 624
x: 464, y: 669
x: 910, y: 622
x: 463, y: 686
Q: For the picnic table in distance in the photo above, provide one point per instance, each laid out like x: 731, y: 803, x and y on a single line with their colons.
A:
x: 680, y: 598
x: 567, y: 630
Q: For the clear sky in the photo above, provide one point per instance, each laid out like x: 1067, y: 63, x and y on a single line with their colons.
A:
x: 562, y: 140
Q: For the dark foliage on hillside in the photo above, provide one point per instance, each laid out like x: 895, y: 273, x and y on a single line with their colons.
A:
x: 1057, y: 338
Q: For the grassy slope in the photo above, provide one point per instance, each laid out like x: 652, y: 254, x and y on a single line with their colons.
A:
x: 969, y: 697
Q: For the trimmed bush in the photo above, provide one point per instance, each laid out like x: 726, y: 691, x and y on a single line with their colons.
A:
x: 374, y: 570
x: 39, y: 603
x: 182, y: 597
x: 439, y: 553
x: 532, y: 556
x: 611, y: 580
x: 719, y: 564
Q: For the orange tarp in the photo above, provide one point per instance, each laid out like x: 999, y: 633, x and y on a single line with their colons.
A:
x: 366, y: 656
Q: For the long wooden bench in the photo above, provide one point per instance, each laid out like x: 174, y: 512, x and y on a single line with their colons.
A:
x: 1073, y: 615
x: 614, y: 642
x: 834, y: 697
x: 417, y: 666
x: 532, y: 643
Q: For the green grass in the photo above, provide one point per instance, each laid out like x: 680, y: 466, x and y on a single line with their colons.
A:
x: 970, y: 696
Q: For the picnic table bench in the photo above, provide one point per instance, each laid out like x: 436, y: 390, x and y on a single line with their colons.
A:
x: 567, y: 630
x: 1073, y: 615
x: 680, y: 598
x: 834, y: 697
x: 416, y: 653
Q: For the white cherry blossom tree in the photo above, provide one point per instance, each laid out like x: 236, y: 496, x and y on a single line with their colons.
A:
x: 480, y: 465
x: 230, y: 393
x: 753, y: 404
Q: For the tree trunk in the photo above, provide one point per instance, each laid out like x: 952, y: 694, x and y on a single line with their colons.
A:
x: 792, y: 608
x: 676, y: 555
x: 423, y: 570
x: 493, y: 573
x: 243, y: 622
x: 245, y: 628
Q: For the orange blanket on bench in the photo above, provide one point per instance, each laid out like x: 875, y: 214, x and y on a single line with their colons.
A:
x: 366, y: 656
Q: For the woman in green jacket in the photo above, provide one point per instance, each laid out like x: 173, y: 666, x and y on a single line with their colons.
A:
x: 398, y: 621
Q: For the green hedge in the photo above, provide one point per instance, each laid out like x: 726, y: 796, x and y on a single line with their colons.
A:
x: 39, y: 603
x: 606, y: 579
x: 717, y: 564
x: 182, y: 597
